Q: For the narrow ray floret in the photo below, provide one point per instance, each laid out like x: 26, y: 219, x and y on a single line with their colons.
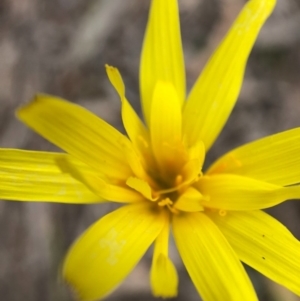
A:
x: 156, y: 171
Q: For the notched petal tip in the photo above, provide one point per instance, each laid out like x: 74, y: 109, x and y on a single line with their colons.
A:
x: 36, y: 99
x: 20, y: 110
x: 115, y: 79
x: 79, y: 132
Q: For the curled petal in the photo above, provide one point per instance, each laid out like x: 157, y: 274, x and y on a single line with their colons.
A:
x: 190, y: 201
x: 163, y: 275
x: 135, y: 128
x: 106, y: 190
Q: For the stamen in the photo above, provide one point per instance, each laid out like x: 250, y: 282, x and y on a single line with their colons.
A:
x: 164, y: 191
x: 179, y: 178
x: 173, y: 210
x: 165, y: 202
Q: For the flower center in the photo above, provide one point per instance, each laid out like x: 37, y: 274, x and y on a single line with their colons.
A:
x: 176, y: 196
x: 168, y: 181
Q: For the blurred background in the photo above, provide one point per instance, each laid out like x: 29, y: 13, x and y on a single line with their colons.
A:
x: 60, y: 47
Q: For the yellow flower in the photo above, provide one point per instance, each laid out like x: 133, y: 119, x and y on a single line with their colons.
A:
x: 215, y: 216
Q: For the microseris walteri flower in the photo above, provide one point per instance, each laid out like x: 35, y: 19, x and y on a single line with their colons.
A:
x: 156, y: 172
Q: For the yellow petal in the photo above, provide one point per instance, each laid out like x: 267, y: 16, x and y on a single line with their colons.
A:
x: 232, y: 192
x: 137, y: 161
x: 78, y: 132
x: 264, y: 244
x: 142, y: 187
x: 274, y: 159
x: 35, y: 176
x: 116, y: 80
x: 135, y: 128
x: 165, y: 126
x: 215, y: 92
x: 108, y: 191
x: 163, y: 275
x: 162, y: 57
x: 197, y: 151
x: 107, y: 252
x: 211, y: 263
x: 190, y: 201
x: 112, y: 192
x: 191, y: 171
x: 164, y: 278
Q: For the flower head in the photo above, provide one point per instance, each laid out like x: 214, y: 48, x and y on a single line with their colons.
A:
x: 156, y: 171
